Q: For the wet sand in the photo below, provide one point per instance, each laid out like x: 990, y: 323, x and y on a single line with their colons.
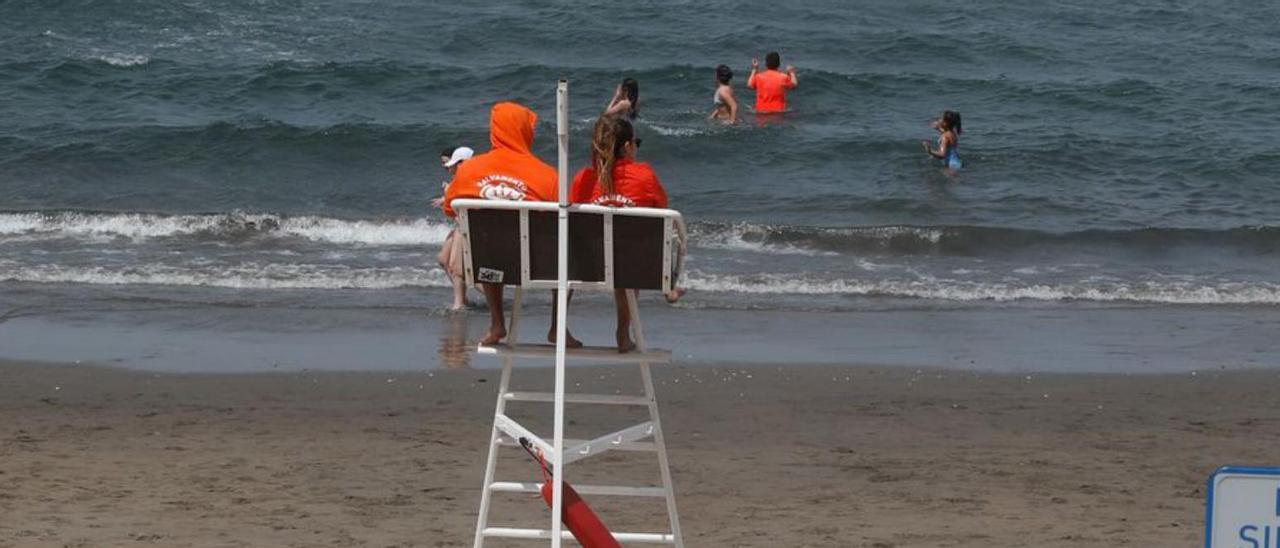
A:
x: 762, y: 456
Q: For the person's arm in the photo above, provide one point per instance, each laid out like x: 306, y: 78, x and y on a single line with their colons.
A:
x: 791, y: 74
x: 621, y: 106
x: 580, y: 191
x: 942, y: 148
x: 655, y: 187
x: 660, y: 193
x: 612, y: 107
x: 751, y: 80
x: 450, y: 192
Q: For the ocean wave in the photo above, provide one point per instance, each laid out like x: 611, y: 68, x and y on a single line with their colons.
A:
x: 703, y: 286
x: 676, y: 131
x: 1183, y: 293
x: 231, y: 226
x: 250, y: 275
x: 123, y: 59
x: 968, y: 240
x: 740, y: 237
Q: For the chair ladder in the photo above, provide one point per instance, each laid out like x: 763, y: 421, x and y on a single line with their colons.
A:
x: 506, y: 433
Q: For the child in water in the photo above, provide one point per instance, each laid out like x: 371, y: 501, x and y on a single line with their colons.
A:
x: 948, y: 125
x: 726, y: 105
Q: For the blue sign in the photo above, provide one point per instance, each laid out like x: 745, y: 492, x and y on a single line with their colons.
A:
x: 1243, y: 509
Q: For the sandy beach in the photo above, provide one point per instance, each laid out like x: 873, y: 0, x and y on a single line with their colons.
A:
x: 762, y: 455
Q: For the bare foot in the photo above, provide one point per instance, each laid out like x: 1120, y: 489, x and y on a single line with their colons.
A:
x: 495, y: 336
x: 625, y: 344
x: 569, y: 341
x: 674, y: 295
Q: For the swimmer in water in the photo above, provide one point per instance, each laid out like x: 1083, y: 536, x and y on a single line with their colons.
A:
x: 626, y: 100
x: 948, y: 126
x: 771, y: 85
x: 726, y: 105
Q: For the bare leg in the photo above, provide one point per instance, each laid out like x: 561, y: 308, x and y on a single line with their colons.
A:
x: 625, y: 344
x: 459, y: 292
x: 497, y: 323
x: 450, y: 259
x: 569, y: 341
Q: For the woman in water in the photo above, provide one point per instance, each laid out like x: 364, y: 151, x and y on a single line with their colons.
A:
x: 726, y: 106
x: 626, y: 100
x: 948, y: 126
x: 615, y: 179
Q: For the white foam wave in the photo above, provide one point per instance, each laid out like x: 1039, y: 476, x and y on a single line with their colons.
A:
x: 931, y: 235
x: 143, y: 226
x: 241, y: 276
x: 123, y: 59
x: 257, y: 275
x: 958, y: 290
x: 807, y: 241
x: 405, y: 232
x: 746, y: 237
x: 670, y: 131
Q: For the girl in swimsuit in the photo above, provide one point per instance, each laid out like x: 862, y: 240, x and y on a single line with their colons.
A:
x: 626, y: 100
x: 948, y: 126
x: 726, y: 106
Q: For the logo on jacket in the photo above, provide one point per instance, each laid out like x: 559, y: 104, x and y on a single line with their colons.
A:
x: 502, y: 187
x: 613, y: 200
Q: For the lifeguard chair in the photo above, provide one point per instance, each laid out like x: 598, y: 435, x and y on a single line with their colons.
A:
x: 543, y: 245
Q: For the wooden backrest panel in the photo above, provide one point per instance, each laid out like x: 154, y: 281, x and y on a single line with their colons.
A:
x: 494, y: 245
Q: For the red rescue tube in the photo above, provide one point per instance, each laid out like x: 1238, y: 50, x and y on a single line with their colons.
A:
x: 580, y: 520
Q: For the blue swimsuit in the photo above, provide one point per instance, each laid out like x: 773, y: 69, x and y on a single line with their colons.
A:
x: 952, y: 160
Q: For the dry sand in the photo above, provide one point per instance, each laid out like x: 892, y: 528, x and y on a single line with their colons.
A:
x: 762, y: 456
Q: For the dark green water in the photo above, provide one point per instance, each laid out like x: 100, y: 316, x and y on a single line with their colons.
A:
x: 1113, y: 152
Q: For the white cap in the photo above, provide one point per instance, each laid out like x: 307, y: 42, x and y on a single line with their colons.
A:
x: 460, y: 155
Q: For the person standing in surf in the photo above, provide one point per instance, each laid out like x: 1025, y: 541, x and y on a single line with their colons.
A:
x: 948, y: 150
x: 626, y: 100
x: 450, y: 257
x: 771, y: 85
x: 509, y: 171
x: 726, y: 105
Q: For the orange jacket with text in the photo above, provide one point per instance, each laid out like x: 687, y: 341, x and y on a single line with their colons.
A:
x: 634, y: 185
x: 509, y: 171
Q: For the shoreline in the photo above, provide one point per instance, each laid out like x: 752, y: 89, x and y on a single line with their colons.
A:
x: 1060, y: 338
x: 774, y: 455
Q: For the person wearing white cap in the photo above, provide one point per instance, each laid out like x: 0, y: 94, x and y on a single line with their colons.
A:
x: 450, y: 257
x: 450, y: 158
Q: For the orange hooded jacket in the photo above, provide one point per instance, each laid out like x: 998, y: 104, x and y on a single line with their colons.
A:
x: 509, y: 171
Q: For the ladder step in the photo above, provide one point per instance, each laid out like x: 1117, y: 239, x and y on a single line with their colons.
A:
x: 603, y: 399
x: 545, y: 534
x: 593, y: 353
x: 602, y: 490
x: 626, y: 446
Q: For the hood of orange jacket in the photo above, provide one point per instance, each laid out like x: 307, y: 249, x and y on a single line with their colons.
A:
x: 511, y: 127
x: 509, y: 171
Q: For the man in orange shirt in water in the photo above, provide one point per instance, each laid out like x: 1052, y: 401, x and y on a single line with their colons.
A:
x: 509, y: 171
x: 771, y: 85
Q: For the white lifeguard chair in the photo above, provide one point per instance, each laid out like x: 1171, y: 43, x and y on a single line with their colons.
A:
x: 596, y: 249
